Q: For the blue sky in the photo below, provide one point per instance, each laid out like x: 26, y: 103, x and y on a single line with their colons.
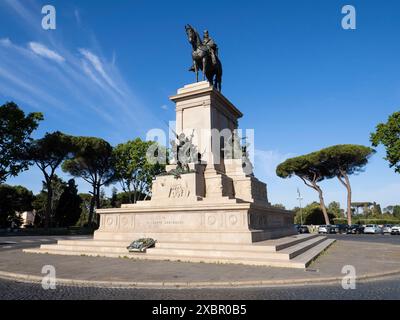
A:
x: 302, y: 82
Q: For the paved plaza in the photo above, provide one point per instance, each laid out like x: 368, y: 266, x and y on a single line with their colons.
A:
x: 376, y: 259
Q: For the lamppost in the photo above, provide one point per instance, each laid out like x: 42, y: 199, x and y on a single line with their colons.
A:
x: 301, y: 210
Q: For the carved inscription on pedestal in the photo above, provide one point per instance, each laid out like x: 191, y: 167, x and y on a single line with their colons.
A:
x: 178, y: 191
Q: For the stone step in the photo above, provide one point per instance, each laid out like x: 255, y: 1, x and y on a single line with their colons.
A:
x: 299, y: 248
x: 213, y: 246
x: 263, y: 246
x: 299, y: 255
x: 301, y: 261
x: 185, y: 249
x: 233, y: 252
x: 193, y: 253
x: 307, y: 257
x: 286, y: 242
x: 104, y: 243
x: 84, y: 248
x: 248, y: 261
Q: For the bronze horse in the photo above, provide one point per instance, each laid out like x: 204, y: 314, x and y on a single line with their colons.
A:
x: 202, y: 60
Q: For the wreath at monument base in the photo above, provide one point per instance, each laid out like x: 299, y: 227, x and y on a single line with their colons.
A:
x: 141, y: 245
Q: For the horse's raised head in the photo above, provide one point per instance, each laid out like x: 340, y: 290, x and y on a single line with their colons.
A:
x: 189, y: 31
x: 192, y: 35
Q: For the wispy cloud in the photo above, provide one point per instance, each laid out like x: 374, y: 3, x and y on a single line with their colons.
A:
x: 30, y: 88
x: 164, y: 107
x: 82, y: 82
x: 5, y: 42
x: 27, y: 12
x: 45, y: 52
x: 77, y: 16
x: 96, y: 63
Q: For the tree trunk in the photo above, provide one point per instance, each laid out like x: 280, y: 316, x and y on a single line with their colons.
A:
x: 49, y: 206
x: 135, y: 195
x: 313, y: 184
x: 130, y: 194
x: 346, y: 183
x: 348, y: 186
x: 98, y: 203
x: 322, y: 204
x: 92, y: 204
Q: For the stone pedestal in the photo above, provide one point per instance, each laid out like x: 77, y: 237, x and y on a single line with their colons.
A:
x: 202, y: 110
x: 216, y: 201
x: 214, y: 213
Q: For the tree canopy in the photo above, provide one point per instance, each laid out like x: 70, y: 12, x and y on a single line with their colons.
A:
x: 336, y: 161
x: 92, y: 161
x: 344, y: 160
x: 15, y: 134
x: 388, y: 134
x: 310, y: 169
x: 133, y: 168
x: 307, y: 167
x: 48, y: 153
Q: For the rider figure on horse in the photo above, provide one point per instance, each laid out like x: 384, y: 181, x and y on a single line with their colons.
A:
x: 211, y: 47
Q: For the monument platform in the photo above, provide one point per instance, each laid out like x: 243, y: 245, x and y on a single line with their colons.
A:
x: 296, y: 251
x: 216, y: 211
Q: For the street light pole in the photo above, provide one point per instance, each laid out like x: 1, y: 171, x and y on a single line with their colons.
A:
x: 301, y: 210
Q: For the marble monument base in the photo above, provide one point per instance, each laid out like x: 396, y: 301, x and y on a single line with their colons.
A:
x: 231, y: 231
x: 227, y: 222
x: 215, y: 212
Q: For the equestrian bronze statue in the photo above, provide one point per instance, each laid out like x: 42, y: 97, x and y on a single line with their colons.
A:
x: 205, y: 57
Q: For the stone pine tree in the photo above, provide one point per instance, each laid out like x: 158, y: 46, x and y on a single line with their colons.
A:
x: 93, y: 162
x: 388, y: 134
x: 309, y: 169
x: 345, y: 160
x: 48, y: 153
x: 15, y: 134
x: 133, y: 168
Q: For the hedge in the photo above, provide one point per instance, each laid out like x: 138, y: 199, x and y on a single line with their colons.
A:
x: 367, y: 221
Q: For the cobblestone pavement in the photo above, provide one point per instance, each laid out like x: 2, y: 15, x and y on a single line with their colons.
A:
x: 367, y: 258
x: 379, y: 290
x: 368, y: 253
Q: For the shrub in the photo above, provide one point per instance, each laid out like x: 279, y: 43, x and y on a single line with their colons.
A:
x: 368, y: 221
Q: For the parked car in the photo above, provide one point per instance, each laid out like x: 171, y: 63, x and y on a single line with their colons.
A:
x: 387, y: 228
x: 323, y: 229
x: 355, y: 229
x: 338, y: 228
x: 395, y: 230
x: 372, y: 229
x: 303, y: 229
x: 333, y: 228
